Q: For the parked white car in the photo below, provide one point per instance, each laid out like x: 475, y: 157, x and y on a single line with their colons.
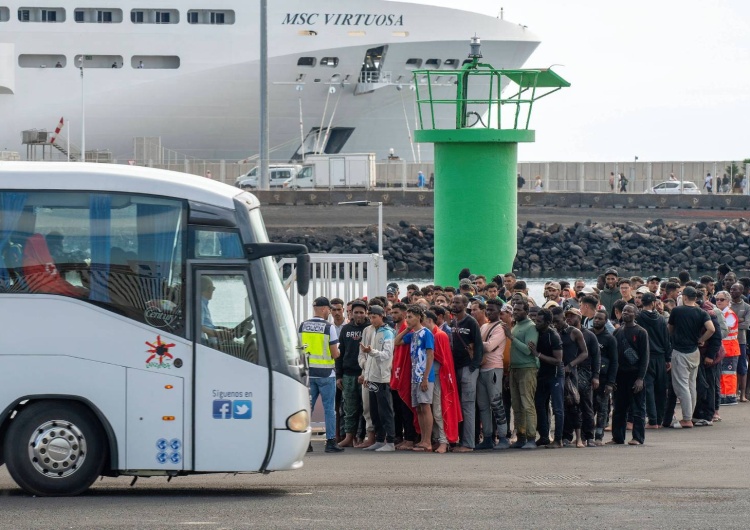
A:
x: 278, y: 175
x: 672, y: 187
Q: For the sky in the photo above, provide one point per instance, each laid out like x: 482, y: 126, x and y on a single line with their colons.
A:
x: 664, y: 80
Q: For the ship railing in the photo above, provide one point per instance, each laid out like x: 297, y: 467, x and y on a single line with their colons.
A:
x: 345, y: 276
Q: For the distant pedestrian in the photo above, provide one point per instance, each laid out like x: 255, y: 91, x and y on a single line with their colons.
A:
x: 538, y: 184
x: 725, y: 183
x: 420, y: 180
x: 672, y: 177
x: 520, y: 182
x: 708, y: 183
x: 208, y: 175
x: 432, y: 181
x: 623, y: 183
x: 612, y: 181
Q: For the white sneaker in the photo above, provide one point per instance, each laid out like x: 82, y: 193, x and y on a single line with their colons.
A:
x: 374, y: 447
x: 386, y: 448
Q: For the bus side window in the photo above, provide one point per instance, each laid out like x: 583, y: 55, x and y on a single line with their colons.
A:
x: 226, y: 319
x: 124, y: 253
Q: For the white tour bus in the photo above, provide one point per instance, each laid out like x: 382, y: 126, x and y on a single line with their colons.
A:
x: 145, y: 329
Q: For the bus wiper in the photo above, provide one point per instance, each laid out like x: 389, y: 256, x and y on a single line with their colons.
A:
x: 263, y: 250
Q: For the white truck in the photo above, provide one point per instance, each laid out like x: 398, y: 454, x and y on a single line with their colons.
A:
x: 337, y: 171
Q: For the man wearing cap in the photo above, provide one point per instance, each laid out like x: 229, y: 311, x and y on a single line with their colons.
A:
x: 653, y: 284
x: 466, y: 288
x: 348, y: 371
x: 575, y: 352
x: 468, y: 349
x: 659, y: 361
x: 376, y: 358
x: 639, y: 295
x: 391, y: 293
x: 553, y: 293
x: 611, y: 292
x: 524, y: 366
x: 322, y: 340
x: 686, y: 326
x: 588, y: 378
x: 490, y: 386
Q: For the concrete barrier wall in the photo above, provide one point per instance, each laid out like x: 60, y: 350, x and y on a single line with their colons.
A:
x: 525, y: 199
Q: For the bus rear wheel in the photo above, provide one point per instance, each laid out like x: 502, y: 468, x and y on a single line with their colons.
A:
x: 54, y: 448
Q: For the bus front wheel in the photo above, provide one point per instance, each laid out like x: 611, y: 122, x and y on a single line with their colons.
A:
x: 54, y: 448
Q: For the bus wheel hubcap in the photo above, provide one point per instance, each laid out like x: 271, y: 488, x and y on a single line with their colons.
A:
x: 57, y: 449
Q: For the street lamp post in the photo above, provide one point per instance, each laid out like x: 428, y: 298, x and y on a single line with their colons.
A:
x: 380, y: 218
x: 83, y: 113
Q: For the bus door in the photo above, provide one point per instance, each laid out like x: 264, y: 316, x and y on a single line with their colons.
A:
x: 232, y: 403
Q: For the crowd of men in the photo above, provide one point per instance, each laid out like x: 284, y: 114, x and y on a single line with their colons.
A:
x: 486, y: 367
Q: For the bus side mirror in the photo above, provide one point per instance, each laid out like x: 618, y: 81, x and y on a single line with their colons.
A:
x: 303, y: 273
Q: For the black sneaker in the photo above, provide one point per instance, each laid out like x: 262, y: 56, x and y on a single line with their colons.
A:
x: 542, y: 441
x: 519, y: 443
x: 486, y: 444
x: 331, y: 446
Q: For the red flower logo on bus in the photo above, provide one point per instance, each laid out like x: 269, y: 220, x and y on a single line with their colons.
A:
x: 160, y: 356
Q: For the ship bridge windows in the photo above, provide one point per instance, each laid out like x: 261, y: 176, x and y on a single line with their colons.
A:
x: 372, y: 65
x: 306, y: 61
x: 40, y: 60
x: 451, y: 63
x: 432, y: 64
x: 413, y: 64
x: 99, y: 61
x: 41, y: 14
x: 154, y: 16
x: 151, y: 62
x: 98, y: 15
x: 4, y: 14
x: 333, y: 62
x: 210, y: 16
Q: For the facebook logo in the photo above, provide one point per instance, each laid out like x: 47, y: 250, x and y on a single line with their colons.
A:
x: 222, y: 409
x: 243, y: 409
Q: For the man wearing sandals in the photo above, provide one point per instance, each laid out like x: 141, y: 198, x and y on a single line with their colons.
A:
x: 633, y: 351
x: 422, y: 344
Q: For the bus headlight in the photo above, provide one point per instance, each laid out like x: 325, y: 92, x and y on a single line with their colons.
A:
x: 299, y: 421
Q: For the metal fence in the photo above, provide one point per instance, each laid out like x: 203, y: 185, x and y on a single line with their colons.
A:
x: 345, y: 276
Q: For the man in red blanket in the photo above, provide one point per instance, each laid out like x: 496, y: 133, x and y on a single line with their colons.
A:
x: 401, y: 381
x: 446, y: 406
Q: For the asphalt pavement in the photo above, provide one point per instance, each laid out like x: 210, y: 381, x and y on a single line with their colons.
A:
x: 679, y: 479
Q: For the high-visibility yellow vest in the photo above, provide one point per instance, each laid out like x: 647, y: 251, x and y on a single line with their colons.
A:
x: 316, y: 334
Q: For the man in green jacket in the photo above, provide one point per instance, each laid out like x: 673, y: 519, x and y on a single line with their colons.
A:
x: 611, y: 291
x: 523, y: 368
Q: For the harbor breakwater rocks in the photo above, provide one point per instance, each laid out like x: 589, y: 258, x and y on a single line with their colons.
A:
x: 588, y: 246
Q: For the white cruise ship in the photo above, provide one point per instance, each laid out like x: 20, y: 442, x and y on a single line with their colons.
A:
x: 189, y: 73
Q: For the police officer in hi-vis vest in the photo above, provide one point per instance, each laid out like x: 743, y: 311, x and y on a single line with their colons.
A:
x: 321, y: 339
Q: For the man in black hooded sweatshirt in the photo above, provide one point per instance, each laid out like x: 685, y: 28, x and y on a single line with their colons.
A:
x: 659, y: 360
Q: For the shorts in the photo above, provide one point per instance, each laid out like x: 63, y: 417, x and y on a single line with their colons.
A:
x: 742, y: 361
x: 421, y: 398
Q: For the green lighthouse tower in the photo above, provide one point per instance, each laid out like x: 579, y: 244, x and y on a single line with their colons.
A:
x: 476, y: 136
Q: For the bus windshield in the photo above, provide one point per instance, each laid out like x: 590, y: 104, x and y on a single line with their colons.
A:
x: 282, y: 334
